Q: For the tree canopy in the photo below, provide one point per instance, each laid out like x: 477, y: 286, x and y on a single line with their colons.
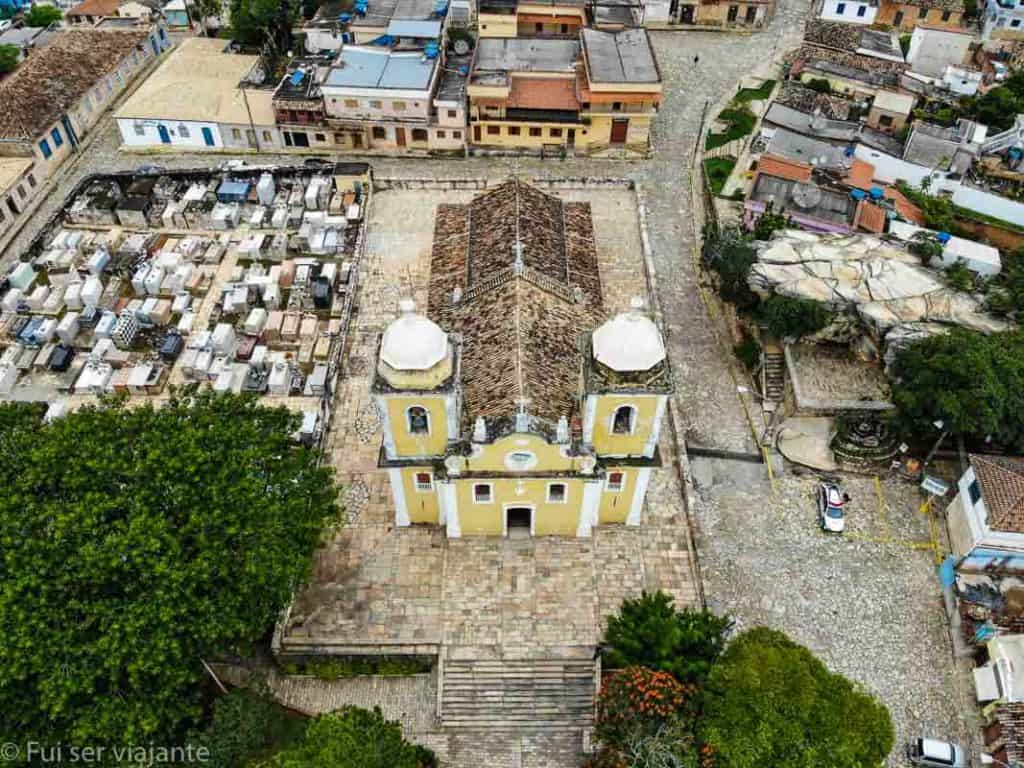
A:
x: 135, y: 542
x: 42, y: 16
x: 353, y: 738
x: 972, y: 382
x: 258, y: 22
x: 650, y: 632
x: 9, y: 56
x: 771, y: 702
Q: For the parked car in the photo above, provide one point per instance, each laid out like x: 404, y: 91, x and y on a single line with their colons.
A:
x: 936, y: 753
x: 831, y: 515
x: 5, y: 24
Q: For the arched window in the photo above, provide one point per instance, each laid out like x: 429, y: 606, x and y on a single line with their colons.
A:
x: 419, y: 420
x: 624, y: 420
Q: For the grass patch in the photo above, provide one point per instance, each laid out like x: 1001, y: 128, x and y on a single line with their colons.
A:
x: 760, y: 93
x: 717, y: 169
x: 741, y: 122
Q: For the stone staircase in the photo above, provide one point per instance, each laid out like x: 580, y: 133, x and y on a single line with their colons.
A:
x: 518, y: 694
x: 773, y: 372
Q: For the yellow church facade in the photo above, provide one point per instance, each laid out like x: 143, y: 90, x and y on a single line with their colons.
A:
x: 513, y: 406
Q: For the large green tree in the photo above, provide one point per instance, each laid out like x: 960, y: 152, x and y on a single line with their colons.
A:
x: 259, y: 23
x: 42, y: 16
x: 136, y: 542
x: 971, y: 382
x: 650, y: 632
x: 353, y: 738
x: 771, y: 702
x: 9, y: 57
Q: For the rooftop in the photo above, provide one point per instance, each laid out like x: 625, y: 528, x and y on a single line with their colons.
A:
x: 784, y: 169
x: 820, y: 154
x: 855, y: 66
x: 11, y: 170
x: 54, y: 79
x: 21, y: 36
x: 524, y: 54
x: 803, y: 99
x: 200, y: 80
x: 890, y: 101
x: 543, y: 93
x: 95, y: 8
x: 945, y: 5
x: 524, y: 266
x: 853, y: 39
x: 804, y: 198
x: 1001, y: 479
x: 380, y: 13
x: 620, y: 57
x: 453, y: 82
x: 869, y: 217
x: 362, y: 67
x: 935, y: 146
x: 817, y: 126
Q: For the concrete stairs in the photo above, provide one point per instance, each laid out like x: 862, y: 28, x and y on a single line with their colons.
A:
x: 517, y: 694
x: 773, y: 372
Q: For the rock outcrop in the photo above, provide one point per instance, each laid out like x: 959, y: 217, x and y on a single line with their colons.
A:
x: 890, y: 293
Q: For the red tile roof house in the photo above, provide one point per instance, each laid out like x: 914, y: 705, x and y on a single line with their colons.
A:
x: 792, y: 188
x: 59, y: 93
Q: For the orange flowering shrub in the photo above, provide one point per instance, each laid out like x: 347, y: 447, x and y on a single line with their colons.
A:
x: 637, y: 699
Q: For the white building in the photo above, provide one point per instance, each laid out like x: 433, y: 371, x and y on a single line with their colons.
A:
x: 194, y: 101
x: 986, y: 519
x: 1004, y: 20
x: 932, y: 50
x: 850, y: 11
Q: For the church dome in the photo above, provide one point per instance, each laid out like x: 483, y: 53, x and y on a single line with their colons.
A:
x: 630, y: 341
x: 412, y: 342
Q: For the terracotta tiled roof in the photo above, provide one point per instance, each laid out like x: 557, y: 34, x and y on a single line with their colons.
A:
x: 861, y: 175
x: 796, y: 96
x: 869, y: 217
x: 946, y: 5
x: 95, y: 8
x: 520, y: 323
x: 771, y: 165
x: 52, y: 80
x: 1001, y: 479
x: 904, y: 207
x: 543, y: 93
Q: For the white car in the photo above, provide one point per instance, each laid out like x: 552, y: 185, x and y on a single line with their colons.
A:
x: 936, y: 754
x: 831, y: 515
x: 5, y: 24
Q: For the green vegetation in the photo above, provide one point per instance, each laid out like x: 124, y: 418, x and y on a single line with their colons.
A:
x: 787, y: 317
x: 650, y: 632
x: 759, y: 700
x: 345, y: 667
x: 760, y: 93
x: 730, y: 254
x: 748, y: 351
x: 926, y: 246
x: 941, y: 214
x: 258, y: 23
x: 970, y: 381
x: 769, y: 701
x: 905, y: 44
x: 717, y: 169
x: 42, y: 16
x: 959, y: 276
x: 138, y: 542
x: 741, y: 121
x: 1006, y: 294
x: 768, y: 222
x: 353, y: 738
x: 245, y: 727
x: 9, y: 56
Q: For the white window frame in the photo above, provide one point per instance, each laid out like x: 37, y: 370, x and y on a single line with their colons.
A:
x: 634, y: 417
x: 565, y: 493
x: 408, y: 420
x: 421, y: 488
x: 490, y: 493
x: 615, y: 488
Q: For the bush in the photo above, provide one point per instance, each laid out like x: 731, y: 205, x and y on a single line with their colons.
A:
x: 769, y: 222
x: 926, y: 246
x: 959, y: 276
x: 748, y: 351
x: 246, y: 725
x: 771, y: 702
x: 9, y: 56
x: 42, y: 16
x: 637, y: 701
x: 787, y: 317
x: 353, y: 738
x: 730, y: 254
x: 400, y: 667
x: 650, y: 632
x: 717, y: 170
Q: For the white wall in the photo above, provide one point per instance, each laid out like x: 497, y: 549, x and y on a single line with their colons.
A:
x: 830, y: 11
x: 151, y: 133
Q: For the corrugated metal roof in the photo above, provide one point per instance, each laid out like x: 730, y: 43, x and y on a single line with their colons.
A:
x: 368, y: 68
x: 407, y: 28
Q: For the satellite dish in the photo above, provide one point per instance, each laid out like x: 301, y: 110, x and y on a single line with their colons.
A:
x: 806, y: 195
x: 461, y: 47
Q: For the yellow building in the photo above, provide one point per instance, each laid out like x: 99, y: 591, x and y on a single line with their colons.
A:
x: 514, y: 407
